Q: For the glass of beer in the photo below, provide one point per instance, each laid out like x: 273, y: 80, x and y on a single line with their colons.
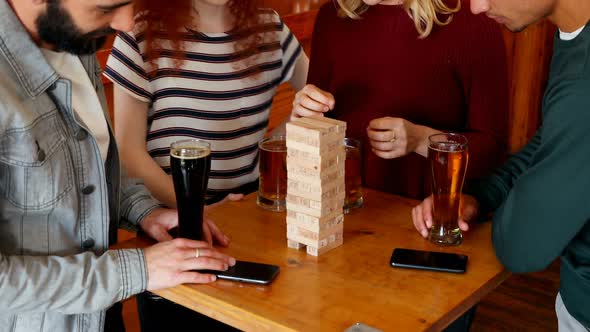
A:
x: 272, y: 187
x: 352, y: 175
x: 190, y: 162
x: 448, y: 156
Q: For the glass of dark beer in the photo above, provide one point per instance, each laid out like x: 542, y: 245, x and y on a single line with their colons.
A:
x: 352, y: 175
x: 448, y: 156
x: 190, y: 162
x: 272, y: 188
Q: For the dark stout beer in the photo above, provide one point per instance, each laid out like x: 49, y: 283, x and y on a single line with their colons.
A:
x: 447, y: 154
x: 190, y: 162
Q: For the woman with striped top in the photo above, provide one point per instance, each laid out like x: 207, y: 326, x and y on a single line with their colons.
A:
x: 205, y: 69
x: 213, y: 79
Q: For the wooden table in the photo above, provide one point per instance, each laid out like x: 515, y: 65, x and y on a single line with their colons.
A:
x: 353, y: 283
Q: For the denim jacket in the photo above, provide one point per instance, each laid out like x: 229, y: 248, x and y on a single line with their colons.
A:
x: 60, y: 204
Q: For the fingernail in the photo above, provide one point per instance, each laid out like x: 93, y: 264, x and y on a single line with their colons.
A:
x: 213, y: 278
x: 225, y: 267
x: 326, y: 109
x: 424, y: 233
x: 232, y: 261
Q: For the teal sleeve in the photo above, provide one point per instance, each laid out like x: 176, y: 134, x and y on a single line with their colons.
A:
x: 547, y: 205
x: 493, y: 190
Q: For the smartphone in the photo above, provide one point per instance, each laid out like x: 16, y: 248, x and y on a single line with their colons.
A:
x: 428, y: 260
x: 250, y: 272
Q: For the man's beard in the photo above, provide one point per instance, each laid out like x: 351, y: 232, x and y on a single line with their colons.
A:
x: 57, y: 28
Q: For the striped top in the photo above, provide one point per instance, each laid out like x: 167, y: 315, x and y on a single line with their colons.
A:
x: 215, y: 95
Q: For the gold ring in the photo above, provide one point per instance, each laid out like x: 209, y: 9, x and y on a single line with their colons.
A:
x: 197, y: 253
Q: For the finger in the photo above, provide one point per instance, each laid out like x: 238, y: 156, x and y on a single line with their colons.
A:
x: 190, y: 244
x: 427, y: 212
x: 302, y: 112
x: 313, y: 105
x: 159, y: 234
x: 209, y: 253
x: 196, y: 278
x: 234, y: 197
x: 218, y: 234
x: 382, y: 146
x: 207, y: 233
x: 418, y: 221
x: 203, y: 263
x: 320, y: 96
x: 464, y: 226
x: 386, y: 123
x: 388, y: 154
x: 381, y: 135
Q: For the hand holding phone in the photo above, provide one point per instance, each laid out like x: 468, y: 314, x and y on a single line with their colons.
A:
x: 428, y: 260
x: 250, y: 272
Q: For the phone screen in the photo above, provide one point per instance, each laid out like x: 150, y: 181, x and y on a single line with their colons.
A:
x: 251, y: 272
x: 428, y: 260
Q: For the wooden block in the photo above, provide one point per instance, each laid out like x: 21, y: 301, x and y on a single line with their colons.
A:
x: 314, y: 239
x: 340, y: 125
x: 298, y: 204
x: 335, y: 241
x: 312, y: 134
x: 315, y: 192
x: 303, y: 218
x: 331, y: 175
x: 312, y: 160
x: 319, y: 149
x: 332, y: 125
x: 294, y: 244
x: 311, y: 171
x: 314, y: 224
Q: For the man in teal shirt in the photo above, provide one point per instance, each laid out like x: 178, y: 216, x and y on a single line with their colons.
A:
x: 540, y: 196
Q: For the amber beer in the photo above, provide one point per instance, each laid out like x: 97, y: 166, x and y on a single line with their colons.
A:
x: 190, y: 162
x: 352, y: 175
x: 448, y: 156
x: 272, y: 187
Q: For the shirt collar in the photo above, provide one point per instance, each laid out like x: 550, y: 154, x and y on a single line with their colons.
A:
x: 23, y: 55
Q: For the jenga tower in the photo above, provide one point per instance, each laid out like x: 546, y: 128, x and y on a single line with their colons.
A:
x: 315, y: 183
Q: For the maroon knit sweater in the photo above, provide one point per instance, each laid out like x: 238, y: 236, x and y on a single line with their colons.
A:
x: 454, y: 80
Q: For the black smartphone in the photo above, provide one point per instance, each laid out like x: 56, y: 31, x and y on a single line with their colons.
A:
x: 428, y: 260
x: 251, y: 272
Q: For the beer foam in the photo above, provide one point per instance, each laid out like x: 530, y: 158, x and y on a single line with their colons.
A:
x: 190, y: 152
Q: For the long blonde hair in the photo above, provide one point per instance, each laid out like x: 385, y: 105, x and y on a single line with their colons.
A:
x: 424, y: 13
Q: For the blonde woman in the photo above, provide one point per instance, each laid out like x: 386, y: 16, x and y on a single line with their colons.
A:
x: 398, y: 71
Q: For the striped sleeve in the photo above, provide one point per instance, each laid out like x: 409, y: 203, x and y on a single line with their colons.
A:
x: 127, y: 69
x: 291, y: 51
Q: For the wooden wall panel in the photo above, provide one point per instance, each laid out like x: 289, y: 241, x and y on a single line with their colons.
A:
x: 529, y: 60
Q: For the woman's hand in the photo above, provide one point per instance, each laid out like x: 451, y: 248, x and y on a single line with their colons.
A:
x: 310, y: 101
x: 396, y: 137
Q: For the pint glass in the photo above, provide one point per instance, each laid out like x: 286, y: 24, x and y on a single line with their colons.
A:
x: 190, y: 162
x: 272, y: 188
x: 447, y: 155
x: 352, y: 175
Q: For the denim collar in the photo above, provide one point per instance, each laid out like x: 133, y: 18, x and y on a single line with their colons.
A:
x: 23, y: 55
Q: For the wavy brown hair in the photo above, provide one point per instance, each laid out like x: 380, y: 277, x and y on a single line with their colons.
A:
x: 168, y: 20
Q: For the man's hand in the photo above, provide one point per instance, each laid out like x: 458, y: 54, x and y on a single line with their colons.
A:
x: 170, y: 263
x: 159, y: 222
x: 210, y: 230
x: 422, y: 214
